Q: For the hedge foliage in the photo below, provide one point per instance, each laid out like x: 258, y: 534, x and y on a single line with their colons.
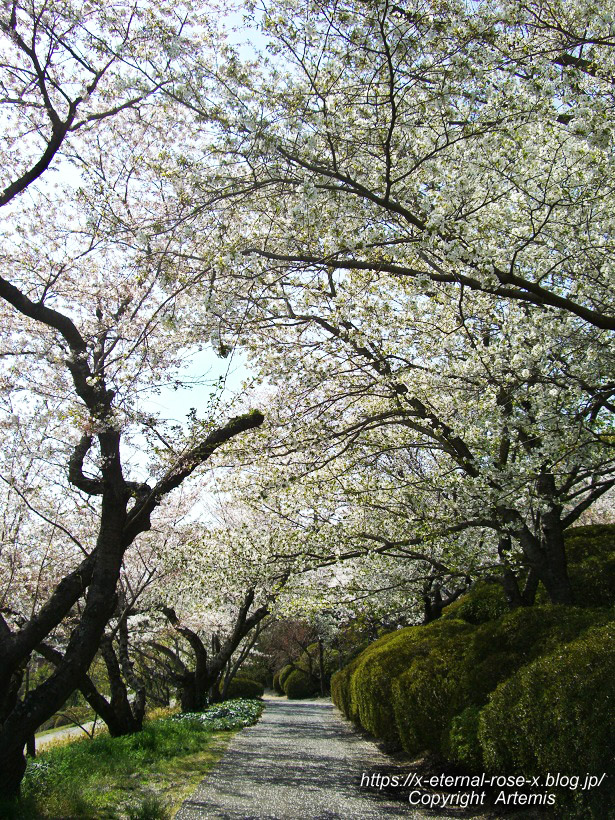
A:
x: 284, y: 673
x: 557, y: 714
x: 241, y: 687
x: 591, y: 562
x: 370, y: 695
x: 276, y: 684
x: 485, y: 602
x: 530, y: 690
x: 299, y: 685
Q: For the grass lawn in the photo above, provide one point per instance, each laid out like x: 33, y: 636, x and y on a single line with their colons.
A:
x: 144, y: 776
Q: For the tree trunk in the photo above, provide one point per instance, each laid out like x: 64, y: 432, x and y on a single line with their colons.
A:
x: 188, y: 694
x: 128, y: 671
x: 555, y: 580
x: 528, y: 595
x: 31, y: 746
x: 100, y: 571
x: 510, y: 585
x: 125, y: 722
x: 546, y: 556
x: 432, y: 606
x: 12, y: 768
x: 543, y: 545
x: 50, y: 696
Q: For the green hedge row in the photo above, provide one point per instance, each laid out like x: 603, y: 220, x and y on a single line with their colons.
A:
x: 557, y: 714
x: 294, y: 682
x: 299, y: 685
x: 468, y: 692
x: 529, y: 691
x: 241, y: 687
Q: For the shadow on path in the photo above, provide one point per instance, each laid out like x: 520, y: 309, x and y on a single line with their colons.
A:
x: 300, y: 762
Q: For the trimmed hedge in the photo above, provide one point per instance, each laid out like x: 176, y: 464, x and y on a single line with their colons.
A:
x: 299, y: 685
x: 591, y: 562
x: 369, y: 695
x: 557, y: 714
x: 428, y: 688
x: 284, y: 673
x: 458, y: 675
x: 276, y: 684
x: 484, y: 602
x: 426, y: 696
x: 413, y: 688
x: 499, y: 648
x: 340, y: 682
x: 595, y: 541
x: 463, y: 743
x: 244, y: 688
x: 340, y: 688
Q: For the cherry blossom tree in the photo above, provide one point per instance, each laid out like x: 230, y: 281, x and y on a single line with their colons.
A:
x: 213, y: 597
x: 88, y: 325
x: 422, y: 262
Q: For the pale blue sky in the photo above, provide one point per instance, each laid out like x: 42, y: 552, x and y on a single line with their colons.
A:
x: 203, y: 369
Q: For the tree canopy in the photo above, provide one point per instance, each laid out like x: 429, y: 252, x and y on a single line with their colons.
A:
x: 400, y: 214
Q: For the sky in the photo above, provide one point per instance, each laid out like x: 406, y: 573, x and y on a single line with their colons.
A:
x: 203, y: 368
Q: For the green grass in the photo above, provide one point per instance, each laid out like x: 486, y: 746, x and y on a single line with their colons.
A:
x: 144, y: 776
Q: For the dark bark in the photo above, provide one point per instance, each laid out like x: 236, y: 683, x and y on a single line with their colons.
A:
x: 233, y: 667
x: 92, y: 696
x: 31, y: 746
x: 118, y: 528
x: 202, y: 683
x: 434, y: 602
x: 136, y: 683
x: 15, y: 648
x: 195, y: 684
x: 511, y: 588
x: 126, y: 721
x: 544, y: 547
x: 181, y: 677
x: 530, y: 588
x: 510, y: 582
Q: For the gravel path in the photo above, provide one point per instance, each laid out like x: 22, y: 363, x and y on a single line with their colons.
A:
x: 300, y: 762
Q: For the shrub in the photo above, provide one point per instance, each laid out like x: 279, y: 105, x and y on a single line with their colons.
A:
x: 591, y: 564
x: 408, y: 689
x: 256, y: 669
x: 340, y: 689
x: 244, y: 688
x: 597, y: 541
x: 369, y: 696
x: 276, y: 684
x: 220, y: 717
x: 484, y: 602
x: 309, y: 662
x: 593, y: 581
x: 557, y: 714
x: 497, y: 649
x: 426, y: 696
x: 463, y: 743
x: 422, y: 687
x: 284, y: 673
x: 494, y: 651
x: 299, y: 685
